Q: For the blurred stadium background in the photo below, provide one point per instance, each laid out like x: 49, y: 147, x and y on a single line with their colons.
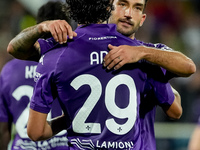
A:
x: 175, y: 23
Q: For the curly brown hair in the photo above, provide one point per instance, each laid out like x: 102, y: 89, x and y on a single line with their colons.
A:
x: 90, y: 11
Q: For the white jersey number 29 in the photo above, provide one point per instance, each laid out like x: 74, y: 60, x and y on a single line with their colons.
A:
x: 79, y: 123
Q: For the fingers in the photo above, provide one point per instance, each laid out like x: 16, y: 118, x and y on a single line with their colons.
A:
x: 60, y: 30
x: 116, y: 63
x: 117, y: 57
x: 74, y: 34
x: 119, y: 65
x: 108, y: 58
x: 111, y: 46
x: 60, y: 34
x: 112, y: 60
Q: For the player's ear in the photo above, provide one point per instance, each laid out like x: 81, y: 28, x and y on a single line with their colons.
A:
x: 143, y: 19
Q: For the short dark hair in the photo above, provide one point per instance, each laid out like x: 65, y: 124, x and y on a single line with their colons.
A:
x: 52, y: 11
x: 90, y: 11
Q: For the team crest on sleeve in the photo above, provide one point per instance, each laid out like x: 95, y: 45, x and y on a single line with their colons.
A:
x: 166, y: 48
x: 37, y: 76
x: 162, y: 46
x: 41, y: 60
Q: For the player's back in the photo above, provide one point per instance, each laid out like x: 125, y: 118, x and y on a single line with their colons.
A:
x: 103, y: 105
x: 16, y: 90
x: 16, y: 83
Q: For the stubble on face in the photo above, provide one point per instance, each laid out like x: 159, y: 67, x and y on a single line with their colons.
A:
x: 125, y: 25
x: 127, y: 30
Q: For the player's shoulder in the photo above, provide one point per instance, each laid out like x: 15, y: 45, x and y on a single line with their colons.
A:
x: 15, y: 65
x: 11, y: 64
x: 47, y: 45
x: 14, y: 62
x: 155, y: 45
x: 48, y: 61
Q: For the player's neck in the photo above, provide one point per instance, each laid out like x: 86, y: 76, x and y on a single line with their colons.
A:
x: 132, y: 36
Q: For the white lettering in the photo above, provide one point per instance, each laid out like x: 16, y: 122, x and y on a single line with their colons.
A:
x: 111, y: 144
x: 102, y: 38
x: 97, y: 144
x: 42, y: 143
x: 121, y: 145
x: 102, y: 55
x: 115, y: 145
x: 96, y: 58
x: 30, y: 71
x: 103, y: 145
x: 128, y: 144
x: 46, y: 145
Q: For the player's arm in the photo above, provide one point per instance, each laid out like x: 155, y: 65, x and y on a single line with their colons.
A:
x: 5, y: 135
x: 175, y: 110
x: 38, y: 128
x: 194, y: 143
x: 25, y: 46
x: 173, y: 61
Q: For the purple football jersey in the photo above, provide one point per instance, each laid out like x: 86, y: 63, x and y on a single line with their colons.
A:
x: 16, y: 89
x: 103, y: 106
x: 157, y: 45
x: 46, y: 45
x: 148, y: 103
x: 148, y: 106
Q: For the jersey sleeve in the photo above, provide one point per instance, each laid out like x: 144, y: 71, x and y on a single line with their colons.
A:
x: 46, y: 45
x: 158, y: 85
x: 156, y: 45
x: 162, y: 47
x: 42, y: 98
x: 168, y: 75
x: 164, y: 93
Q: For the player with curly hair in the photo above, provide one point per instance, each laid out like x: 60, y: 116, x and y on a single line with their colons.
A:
x: 86, y: 14
x: 102, y: 106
